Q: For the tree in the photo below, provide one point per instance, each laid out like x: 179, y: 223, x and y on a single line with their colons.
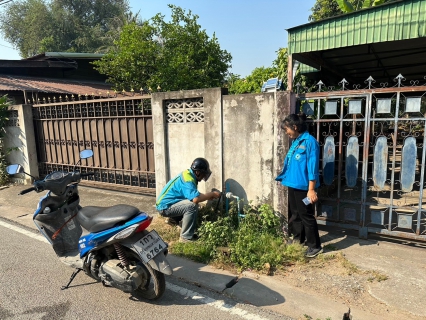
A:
x: 34, y: 26
x: 253, y: 82
x: 166, y: 56
x: 323, y: 9
x: 329, y: 8
x: 133, y: 60
x: 350, y: 6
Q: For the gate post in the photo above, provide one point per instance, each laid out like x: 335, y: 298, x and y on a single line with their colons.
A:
x: 21, y: 135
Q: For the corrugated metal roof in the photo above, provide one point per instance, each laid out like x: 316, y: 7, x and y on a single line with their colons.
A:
x: 20, y: 83
x: 79, y: 55
x: 400, y: 20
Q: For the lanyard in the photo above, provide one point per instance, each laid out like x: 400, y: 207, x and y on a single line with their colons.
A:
x: 295, y: 144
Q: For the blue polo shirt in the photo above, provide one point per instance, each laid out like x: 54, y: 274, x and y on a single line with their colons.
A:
x: 301, y: 164
x: 182, y: 187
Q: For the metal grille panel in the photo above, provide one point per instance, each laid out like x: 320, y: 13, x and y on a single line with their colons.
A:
x: 118, y: 130
x: 372, y: 158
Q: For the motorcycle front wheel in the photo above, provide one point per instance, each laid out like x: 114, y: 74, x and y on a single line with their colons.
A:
x: 153, y: 282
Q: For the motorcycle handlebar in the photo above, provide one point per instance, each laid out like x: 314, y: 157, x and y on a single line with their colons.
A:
x: 87, y: 174
x: 26, y: 191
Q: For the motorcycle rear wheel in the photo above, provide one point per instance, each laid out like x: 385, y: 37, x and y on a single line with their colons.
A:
x: 153, y: 283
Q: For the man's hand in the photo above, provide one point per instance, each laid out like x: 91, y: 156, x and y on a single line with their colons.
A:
x: 215, y: 194
x: 206, y: 196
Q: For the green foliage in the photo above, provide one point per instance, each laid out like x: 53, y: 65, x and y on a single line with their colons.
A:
x: 281, y: 63
x: 37, y: 26
x: 345, y: 5
x: 4, y: 104
x: 132, y: 62
x: 218, y: 233
x: 259, y: 240
x: 253, y: 82
x: 323, y: 9
x: 253, y: 242
x: 349, y: 6
x: 166, y: 56
x: 197, y: 251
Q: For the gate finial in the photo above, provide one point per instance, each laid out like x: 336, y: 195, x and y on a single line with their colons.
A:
x: 343, y: 82
x: 320, y: 84
x: 298, y: 85
x: 399, y: 78
x: 370, y: 80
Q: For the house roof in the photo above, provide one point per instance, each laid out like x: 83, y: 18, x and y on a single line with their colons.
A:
x: 59, y: 86
x: 65, y: 55
x: 381, y: 42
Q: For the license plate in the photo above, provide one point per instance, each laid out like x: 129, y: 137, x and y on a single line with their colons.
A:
x: 149, y: 246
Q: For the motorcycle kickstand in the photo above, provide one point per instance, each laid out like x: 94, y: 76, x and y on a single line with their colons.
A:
x: 76, y: 271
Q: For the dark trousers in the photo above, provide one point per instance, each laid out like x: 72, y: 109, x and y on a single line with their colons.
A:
x: 301, y: 220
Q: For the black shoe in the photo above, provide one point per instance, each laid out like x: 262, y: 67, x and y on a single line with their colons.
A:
x: 313, y: 252
x: 173, y: 222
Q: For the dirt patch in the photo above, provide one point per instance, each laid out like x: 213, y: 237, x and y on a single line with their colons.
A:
x: 334, y: 278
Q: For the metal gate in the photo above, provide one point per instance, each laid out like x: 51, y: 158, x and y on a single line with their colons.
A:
x: 372, y: 163
x: 118, y: 130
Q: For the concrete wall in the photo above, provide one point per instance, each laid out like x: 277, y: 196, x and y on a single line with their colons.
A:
x: 178, y: 143
x: 20, y: 134
x: 248, y: 145
x: 240, y: 136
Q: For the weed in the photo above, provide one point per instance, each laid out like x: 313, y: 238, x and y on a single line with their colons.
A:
x: 377, y: 276
x: 308, y: 317
x: 253, y: 242
x: 330, y: 247
x: 349, y: 266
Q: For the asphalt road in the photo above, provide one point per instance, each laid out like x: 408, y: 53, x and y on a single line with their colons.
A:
x: 31, y: 277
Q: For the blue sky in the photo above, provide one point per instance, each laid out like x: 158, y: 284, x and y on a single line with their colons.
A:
x: 251, y: 30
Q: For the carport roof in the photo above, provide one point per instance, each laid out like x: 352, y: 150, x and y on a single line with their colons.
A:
x: 381, y: 42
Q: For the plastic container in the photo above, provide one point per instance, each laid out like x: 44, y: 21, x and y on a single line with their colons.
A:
x: 306, y: 201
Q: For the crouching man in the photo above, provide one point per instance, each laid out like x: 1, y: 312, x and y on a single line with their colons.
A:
x: 180, y: 197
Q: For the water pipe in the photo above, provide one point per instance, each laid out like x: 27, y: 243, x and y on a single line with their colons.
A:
x: 230, y: 195
x: 226, y: 200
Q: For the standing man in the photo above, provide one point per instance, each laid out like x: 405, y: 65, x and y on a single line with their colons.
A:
x: 180, y: 197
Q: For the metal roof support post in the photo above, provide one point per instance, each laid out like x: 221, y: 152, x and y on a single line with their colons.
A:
x: 290, y: 73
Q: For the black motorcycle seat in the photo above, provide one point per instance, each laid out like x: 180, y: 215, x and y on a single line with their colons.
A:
x: 95, y: 219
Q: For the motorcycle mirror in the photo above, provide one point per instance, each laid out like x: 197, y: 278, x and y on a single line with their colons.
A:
x: 86, y: 154
x: 14, y: 169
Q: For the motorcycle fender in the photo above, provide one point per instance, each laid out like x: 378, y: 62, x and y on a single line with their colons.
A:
x: 159, y: 262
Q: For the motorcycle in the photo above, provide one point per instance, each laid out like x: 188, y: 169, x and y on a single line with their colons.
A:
x: 110, y: 244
